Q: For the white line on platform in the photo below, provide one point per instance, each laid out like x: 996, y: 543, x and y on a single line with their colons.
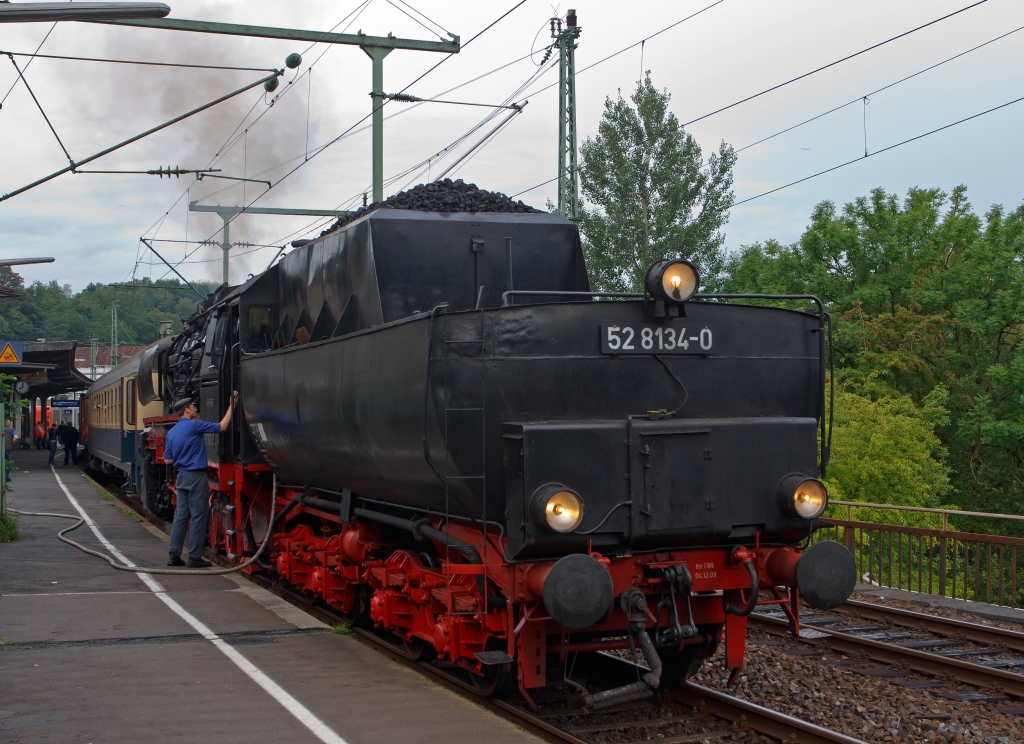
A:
x: 305, y: 716
x: 67, y: 594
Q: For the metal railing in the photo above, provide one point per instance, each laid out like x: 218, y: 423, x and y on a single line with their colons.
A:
x: 972, y: 566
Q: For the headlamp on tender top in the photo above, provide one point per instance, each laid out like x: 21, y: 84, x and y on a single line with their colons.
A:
x: 800, y: 496
x: 560, y: 508
x: 672, y: 279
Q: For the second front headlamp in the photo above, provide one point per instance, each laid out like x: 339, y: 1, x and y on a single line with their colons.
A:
x: 558, y: 508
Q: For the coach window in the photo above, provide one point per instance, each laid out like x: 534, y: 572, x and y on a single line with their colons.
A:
x: 129, y: 403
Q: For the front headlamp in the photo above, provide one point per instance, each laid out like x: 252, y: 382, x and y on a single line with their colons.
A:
x: 673, y: 279
x: 559, y: 507
x: 800, y: 496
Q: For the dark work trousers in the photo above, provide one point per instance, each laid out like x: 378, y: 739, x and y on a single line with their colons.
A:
x: 191, y: 512
x: 72, y: 451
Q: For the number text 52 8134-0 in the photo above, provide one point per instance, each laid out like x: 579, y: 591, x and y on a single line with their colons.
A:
x: 649, y: 338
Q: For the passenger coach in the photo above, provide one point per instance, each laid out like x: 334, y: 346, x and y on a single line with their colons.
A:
x: 113, y: 422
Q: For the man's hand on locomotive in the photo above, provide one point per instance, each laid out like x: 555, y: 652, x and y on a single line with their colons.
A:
x: 226, y: 421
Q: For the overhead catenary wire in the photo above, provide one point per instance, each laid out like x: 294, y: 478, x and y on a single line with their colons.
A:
x: 232, y: 140
x: 473, y: 38
x: 479, y: 147
x: 632, y: 46
x: 879, y: 152
x: 543, y: 183
x: 833, y: 64
x: 411, y: 16
x: 186, y: 65
x: 137, y: 137
x: 41, y: 111
x: 366, y: 127
x: 647, y: 38
x: 27, y: 64
x: 483, y: 141
x: 539, y: 90
x: 427, y: 164
x: 879, y: 90
x: 367, y: 116
x: 424, y: 15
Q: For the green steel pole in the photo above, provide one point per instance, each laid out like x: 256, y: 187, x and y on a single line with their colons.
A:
x: 376, y: 47
x: 562, y: 206
x: 573, y: 187
x: 377, y: 54
x: 3, y: 462
x: 225, y: 245
x: 568, y: 179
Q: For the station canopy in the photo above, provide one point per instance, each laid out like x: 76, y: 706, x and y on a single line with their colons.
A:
x: 49, y: 368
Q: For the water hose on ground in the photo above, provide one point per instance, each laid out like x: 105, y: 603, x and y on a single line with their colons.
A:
x: 167, y: 571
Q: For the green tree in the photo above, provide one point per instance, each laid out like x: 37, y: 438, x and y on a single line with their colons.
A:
x: 653, y: 194
x: 54, y: 312
x: 928, y: 299
x: 885, y: 451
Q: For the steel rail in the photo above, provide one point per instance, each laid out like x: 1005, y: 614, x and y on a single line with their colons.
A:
x: 763, y: 720
x: 736, y: 710
x: 976, y: 632
x: 918, y: 661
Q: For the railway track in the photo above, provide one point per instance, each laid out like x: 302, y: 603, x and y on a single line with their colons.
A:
x: 561, y: 717
x: 944, y: 651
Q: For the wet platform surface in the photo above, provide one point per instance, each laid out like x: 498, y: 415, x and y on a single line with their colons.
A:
x: 91, y: 654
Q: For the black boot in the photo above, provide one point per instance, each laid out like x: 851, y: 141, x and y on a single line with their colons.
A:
x: 174, y: 560
x: 198, y: 563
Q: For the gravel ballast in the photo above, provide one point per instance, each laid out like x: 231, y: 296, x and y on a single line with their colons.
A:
x: 822, y: 689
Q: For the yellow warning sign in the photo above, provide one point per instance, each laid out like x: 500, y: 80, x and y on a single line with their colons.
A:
x: 9, y: 355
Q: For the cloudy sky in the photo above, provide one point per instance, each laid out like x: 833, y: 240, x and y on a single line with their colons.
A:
x: 92, y: 223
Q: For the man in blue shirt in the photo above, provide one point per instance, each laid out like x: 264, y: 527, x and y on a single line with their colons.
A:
x: 186, y: 449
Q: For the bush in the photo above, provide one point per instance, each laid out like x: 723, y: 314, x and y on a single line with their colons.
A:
x: 885, y: 451
x: 8, y: 528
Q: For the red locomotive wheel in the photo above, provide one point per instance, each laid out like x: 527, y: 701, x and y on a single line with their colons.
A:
x: 418, y: 650
x: 496, y: 682
x: 679, y: 666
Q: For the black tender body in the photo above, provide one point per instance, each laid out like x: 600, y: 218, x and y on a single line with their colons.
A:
x: 381, y: 359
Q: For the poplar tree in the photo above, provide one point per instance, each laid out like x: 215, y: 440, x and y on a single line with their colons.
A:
x: 651, y: 194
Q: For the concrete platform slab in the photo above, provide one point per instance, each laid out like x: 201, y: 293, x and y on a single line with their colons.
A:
x: 96, y: 655
x: 964, y: 606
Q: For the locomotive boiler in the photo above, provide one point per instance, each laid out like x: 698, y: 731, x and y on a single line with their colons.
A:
x: 448, y: 434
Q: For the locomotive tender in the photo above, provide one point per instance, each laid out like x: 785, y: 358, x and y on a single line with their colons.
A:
x: 448, y: 434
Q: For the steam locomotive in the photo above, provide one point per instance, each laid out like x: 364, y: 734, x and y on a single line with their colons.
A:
x: 448, y: 434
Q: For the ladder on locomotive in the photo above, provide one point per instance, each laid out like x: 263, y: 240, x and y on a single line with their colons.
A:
x: 474, y: 411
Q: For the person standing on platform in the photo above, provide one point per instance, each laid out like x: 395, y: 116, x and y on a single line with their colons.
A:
x: 51, y: 435
x: 186, y: 450
x: 60, y: 432
x: 71, y: 439
x: 40, y: 434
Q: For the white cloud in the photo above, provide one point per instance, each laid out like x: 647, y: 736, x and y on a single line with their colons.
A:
x: 92, y: 223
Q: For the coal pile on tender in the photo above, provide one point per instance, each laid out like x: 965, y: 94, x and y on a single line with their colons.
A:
x: 441, y: 196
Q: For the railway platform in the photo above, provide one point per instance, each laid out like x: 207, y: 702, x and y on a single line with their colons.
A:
x: 91, y: 654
